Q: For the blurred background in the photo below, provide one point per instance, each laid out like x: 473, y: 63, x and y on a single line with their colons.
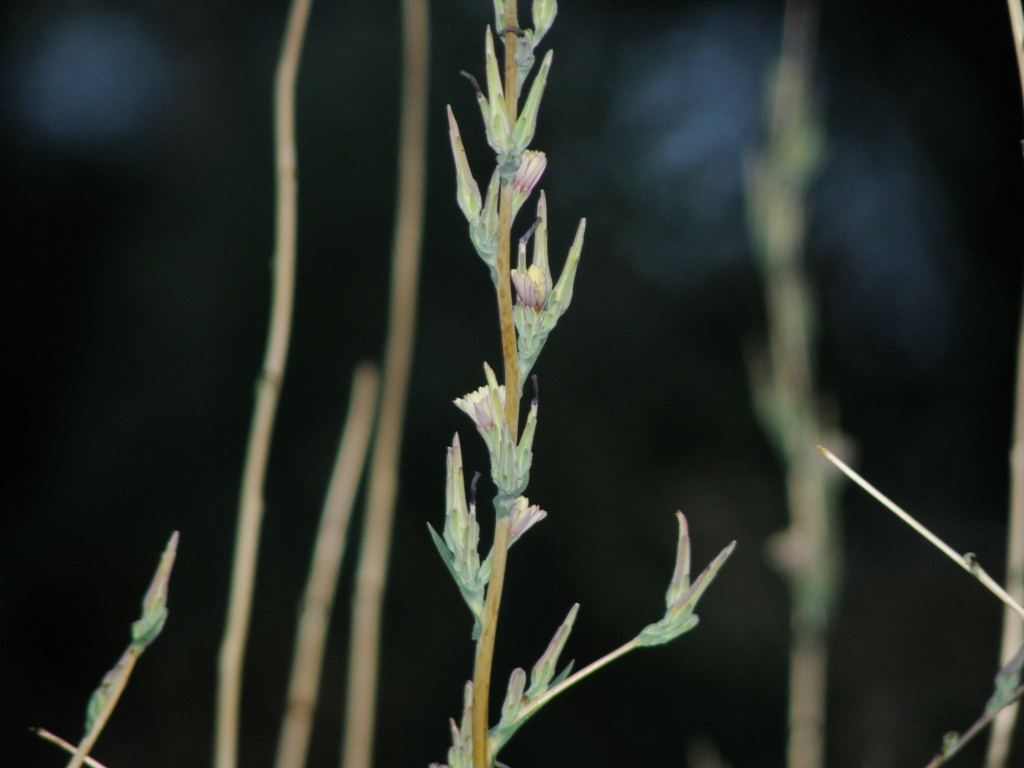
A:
x: 135, y: 145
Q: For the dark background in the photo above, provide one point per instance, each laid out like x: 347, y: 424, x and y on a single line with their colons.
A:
x: 137, y: 230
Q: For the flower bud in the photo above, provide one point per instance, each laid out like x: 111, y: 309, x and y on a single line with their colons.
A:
x: 496, y: 119
x: 514, y: 696
x: 525, y: 126
x: 544, y: 12
x: 544, y: 669
x: 467, y: 191
x: 530, y: 169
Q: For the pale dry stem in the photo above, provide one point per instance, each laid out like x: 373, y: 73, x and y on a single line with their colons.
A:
x: 329, y: 549
x: 65, y: 745
x: 250, y: 512
x: 967, y: 562
x: 1013, y: 629
x: 371, y: 574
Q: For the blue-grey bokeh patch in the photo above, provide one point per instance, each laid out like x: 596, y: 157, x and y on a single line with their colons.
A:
x: 89, y: 80
x: 686, y: 112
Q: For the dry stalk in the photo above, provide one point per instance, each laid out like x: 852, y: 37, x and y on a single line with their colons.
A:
x: 1013, y: 629
x: 367, y: 603
x: 65, y: 745
x: 321, y: 588
x: 250, y: 511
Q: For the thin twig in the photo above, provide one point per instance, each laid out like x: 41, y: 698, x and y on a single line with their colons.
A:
x: 492, y: 603
x: 144, y: 631
x: 967, y: 562
x: 1013, y: 630
x: 118, y: 683
x: 250, y: 507
x: 528, y: 709
x: 65, y: 745
x: 329, y: 549
x: 970, y: 733
x: 364, y: 647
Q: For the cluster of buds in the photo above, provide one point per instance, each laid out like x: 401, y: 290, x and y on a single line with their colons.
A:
x: 682, y: 596
x: 509, y: 140
x: 538, y: 304
x: 510, y: 462
x: 480, y: 212
x: 516, y: 164
x: 460, y: 540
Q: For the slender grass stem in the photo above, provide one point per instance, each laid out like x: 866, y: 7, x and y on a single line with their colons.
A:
x: 250, y: 511
x: 65, y: 745
x: 318, y: 600
x: 967, y: 562
x: 492, y: 602
x: 1013, y: 629
x: 371, y: 574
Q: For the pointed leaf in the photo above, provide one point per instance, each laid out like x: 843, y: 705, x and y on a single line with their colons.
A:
x: 544, y: 669
x: 525, y: 126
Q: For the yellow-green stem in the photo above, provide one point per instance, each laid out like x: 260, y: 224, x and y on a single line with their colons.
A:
x: 492, y: 603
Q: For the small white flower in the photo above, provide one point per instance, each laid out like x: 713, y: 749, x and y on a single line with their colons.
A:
x: 524, y: 517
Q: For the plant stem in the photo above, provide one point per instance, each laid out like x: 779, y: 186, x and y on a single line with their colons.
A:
x: 318, y: 600
x: 65, y: 745
x: 971, y: 732
x: 969, y: 564
x: 1013, y: 630
x: 371, y: 574
x: 1017, y: 27
x: 570, y: 681
x: 124, y: 670
x: 808, y: 552
x: 492, y: 603
x: 250, y: 512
